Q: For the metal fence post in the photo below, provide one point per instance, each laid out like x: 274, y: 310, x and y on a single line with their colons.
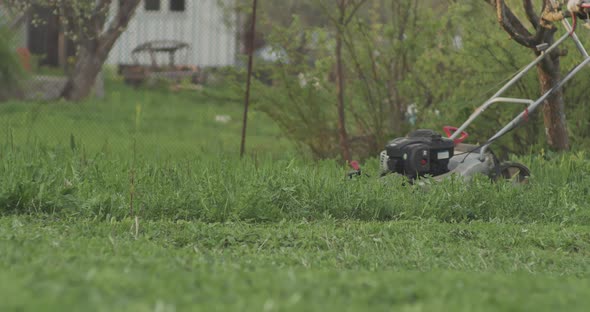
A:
x: 249, y: 78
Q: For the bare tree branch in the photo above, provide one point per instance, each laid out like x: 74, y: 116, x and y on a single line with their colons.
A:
x: 355, y: 8
x: 118, y: 24
x: 551, y: 13
x: 99, y: 14
x: 549, y: 68
x: 20, y: 18
x: 531, y: 14
x: 513, y: 26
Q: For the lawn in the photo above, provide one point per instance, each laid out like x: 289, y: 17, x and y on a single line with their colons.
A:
x: 55, y: 264
x: 159, y: 122
x: 88, y: 222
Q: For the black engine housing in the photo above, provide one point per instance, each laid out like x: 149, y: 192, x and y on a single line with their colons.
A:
x: 421, y: 153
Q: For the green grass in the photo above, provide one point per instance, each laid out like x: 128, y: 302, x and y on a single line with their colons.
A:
x: 271, y: 232
x: 214, y: 188
x: 164, y: 124
x: 413, y: 266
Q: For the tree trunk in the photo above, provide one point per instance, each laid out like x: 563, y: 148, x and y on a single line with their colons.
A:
x: 83, y: 77
x: 345, y: 149
x: 95, y: 50
x: 549, y: 69
x: 554, y: 107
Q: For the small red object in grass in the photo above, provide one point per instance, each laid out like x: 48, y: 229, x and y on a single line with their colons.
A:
x: 355, y: 165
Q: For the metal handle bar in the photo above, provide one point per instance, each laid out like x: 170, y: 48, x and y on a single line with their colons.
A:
x: 509, y: 84
x: 532, y: 105
x: 522, y: 116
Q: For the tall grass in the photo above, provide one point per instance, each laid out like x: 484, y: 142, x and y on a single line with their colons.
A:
x: 218, y: 188
x: 103, y: 159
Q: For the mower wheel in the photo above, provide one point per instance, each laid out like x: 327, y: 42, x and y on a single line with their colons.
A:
x: 515, y: 172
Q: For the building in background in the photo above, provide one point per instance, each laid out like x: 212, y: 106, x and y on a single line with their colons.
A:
x: 203, y: 24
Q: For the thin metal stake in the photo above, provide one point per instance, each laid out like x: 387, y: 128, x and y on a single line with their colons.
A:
x: 249, y: 79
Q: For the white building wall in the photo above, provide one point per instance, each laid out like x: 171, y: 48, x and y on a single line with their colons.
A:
x: 202, y: 25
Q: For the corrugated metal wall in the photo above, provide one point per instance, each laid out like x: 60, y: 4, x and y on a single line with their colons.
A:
x: 202, y: 25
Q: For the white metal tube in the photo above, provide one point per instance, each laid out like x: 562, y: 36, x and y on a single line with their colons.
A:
x: 512, y: 81
x: 536, y: 104
x: 575, y: 37
x: 512, y: 100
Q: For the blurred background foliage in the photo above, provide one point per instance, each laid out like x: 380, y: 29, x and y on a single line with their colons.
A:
x: 408, y: 64
x: 10, y: 69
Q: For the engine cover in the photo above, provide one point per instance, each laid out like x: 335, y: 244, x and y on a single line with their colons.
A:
x: 421, y: 153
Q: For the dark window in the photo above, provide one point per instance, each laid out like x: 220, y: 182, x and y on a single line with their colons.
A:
x: 177, y: 5
x: 152, y: 5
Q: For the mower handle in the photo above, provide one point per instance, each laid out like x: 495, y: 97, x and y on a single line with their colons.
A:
x: 450, y: 130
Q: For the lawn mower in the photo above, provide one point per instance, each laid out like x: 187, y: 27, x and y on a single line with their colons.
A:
x: 427, y: 153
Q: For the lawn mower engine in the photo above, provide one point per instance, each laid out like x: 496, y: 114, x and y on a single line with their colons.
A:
x: 427, y: 153
x: 421, y: 153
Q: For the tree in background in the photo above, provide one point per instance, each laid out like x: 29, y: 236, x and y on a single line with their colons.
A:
x: 443, y: 58
x: 361, y: 58
x: 549, y: 70
x: 463, y: 61
x: 383, y: 50
x: 88, y: 24
x: 346, y: 11
x: 10, y: 69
